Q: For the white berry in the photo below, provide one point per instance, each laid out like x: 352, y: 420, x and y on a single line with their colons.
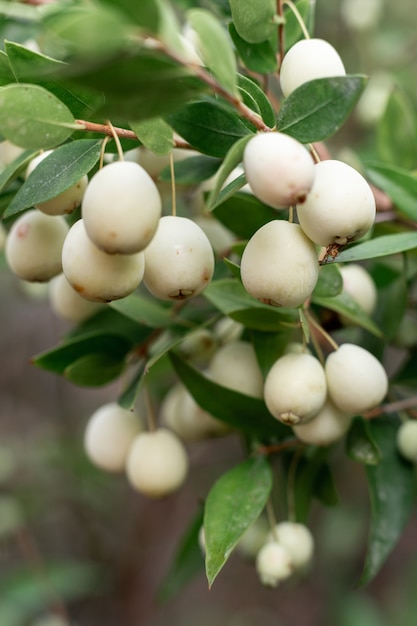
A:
x: 359, y: 284
x: 340, y: 207
x: 273, y: 564
x: 279, y: 264
x: 96, y: 275
x: 179, y: 260
x: 34, y: 246
x: 295, y: 388
x: 157, y: 463
x: 307, y: 60
x: 67, y: 303
x: 108, y: 436
x: 356, y: 380
x: 407, y: 440
x: 297, y: 539
x: 278, y: 168
x: 121, y: 208
x: 64, y: 202
x: 235, y: 366
x: 326, y: 427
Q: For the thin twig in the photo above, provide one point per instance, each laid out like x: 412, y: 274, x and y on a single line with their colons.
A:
x: 392, y: 407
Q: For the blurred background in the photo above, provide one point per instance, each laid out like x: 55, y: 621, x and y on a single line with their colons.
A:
x: 79, y: 547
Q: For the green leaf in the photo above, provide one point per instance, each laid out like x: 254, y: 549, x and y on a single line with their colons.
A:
x: 324, y: 488
x: 209, y: 126
x: 309, y: 470
x: 380, y: 246
x: 244, y: 214
x: 6, y: 74
x: 257, y: 57
x: 96, y: 369
x: 264, y: 106
x: 292, y: 30
x: 317, y: 109
x: 244, y: 412
x: 360, y: 445
x: 399, y: 184
x: 155, y: 134
x: 391, y: 486
x: 15, y: 168
x: 268, y: 348
x: 229, y: 296
x: 64, y: 167
x: 233, y: 158
x: 214, y: 47
x: 254, y: 19
x: 233, y: 504
x: 59, y: 359
x: 192, y: 170
x: 330, y: 283
x: 345, y: 305
x: 144, y: 311
x: 188, y: 560
x: 397, y: 132
x: 392, y: 304
x: 34, y: 118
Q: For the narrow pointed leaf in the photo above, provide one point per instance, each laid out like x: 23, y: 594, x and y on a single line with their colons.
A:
x: 360, y: 445
x: 344, y: 304
x: 155, y: 134
x: 330, y: 283
x: 233, y: 158
x: 380, y: 246
x: 233, y: 504
x: 143, y: 311
x: 264, y: 106
x: 399, y: 184
x: 317, y: 109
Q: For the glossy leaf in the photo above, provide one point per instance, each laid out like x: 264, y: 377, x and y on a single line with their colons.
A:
x: 188, y: 560
x: 345, y: 305
x: 214, y: 48
x: 360, y: 445
x: 380, y: 246
x: 254, y: 19
x: 244, y: 214
x: 233, y: 504
x: 33, y: 118
x: 63, y: 168
x: 391, y: 486
x: 317, y: 109
x: 143, y: 311
x: 155, y: 134
x: 237, y: 409
x: 330, y: 282
x: 233, y: 158
x: 264, y: 106
x: 192, y: 170
x: 209, y: 126
x: 399, y: 184
x: 257, y: 57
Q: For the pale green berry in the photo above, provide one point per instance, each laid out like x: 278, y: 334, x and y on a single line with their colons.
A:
x: 297, y: 539
x: 407, y: 440
x: 235, y: 366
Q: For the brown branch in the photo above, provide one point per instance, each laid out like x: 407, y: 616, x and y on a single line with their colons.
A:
x: 124, y: 133
x: 289, y: 444
x: 281, y: 41
x: 392, y: 407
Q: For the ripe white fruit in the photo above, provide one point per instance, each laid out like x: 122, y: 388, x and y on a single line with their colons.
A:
x: 295, y: 388
x: 279, y: 264
x: 329, y: 425
x: 227, y: 329
x: 179, y: 261
x: 297, y: 540
x: 340, y: 207
x: 359, y: 284
x: 67, y: 303
x: 407, y: 440
x: 157, y: 463
x: 95, y: 275
x: 66, y: 201
x: 235, y: 366
x: 307, y: 60
x: 121, y: 208
x: 278, y: 169
x: 356, y: 380
x: 108, y: 436
x: 34, y: 246
x: 273, y: 564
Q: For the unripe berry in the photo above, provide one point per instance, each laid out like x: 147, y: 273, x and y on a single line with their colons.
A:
x: 67, y: 303
x: 329, y: 425
x: 340, y: 207
x: 108, y: 436
x: 121, y: 208
x: 307, y: 60
x: 66, y: 201
x: 273, y: 564
x: 95, y: 275
x: 279, y: 264
x: 356, y: 380
x: 295, y: 388
x: 297, y: 540
x: 359, y: 284
x: 407, y: 440
x: 179, y: 260
x: 157, y: 463
x: 235, y: 366
x: 34, y: 246
x: 278, y: 169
